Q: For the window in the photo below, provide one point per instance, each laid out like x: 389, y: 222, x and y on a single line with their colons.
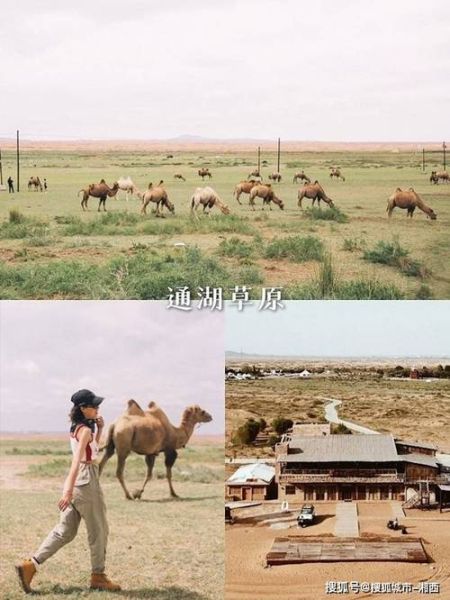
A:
x: 290, y: 489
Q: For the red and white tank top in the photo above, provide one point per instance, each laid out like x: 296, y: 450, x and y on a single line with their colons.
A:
x: 91, y: 451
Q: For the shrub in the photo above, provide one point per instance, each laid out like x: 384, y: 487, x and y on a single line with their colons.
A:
x: 16, y: 216
x: 386, y: 253
x: 330, y: 214
x: 340, y: 429
x: 352, y: 244
x: 246, y: 433
x: 281, y: 425
x: 394, y: 255
x: 424, y: 293
x: 295, y: 248
x: 236, y: 248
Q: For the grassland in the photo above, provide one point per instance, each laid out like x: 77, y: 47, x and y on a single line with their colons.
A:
x: 51, y: 249
x: 415, y: 410
x: 158, y: 548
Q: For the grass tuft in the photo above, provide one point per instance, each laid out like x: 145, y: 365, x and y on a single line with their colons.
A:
x: 295, y: 248
x: 329, y: 214
x: 392, y: 254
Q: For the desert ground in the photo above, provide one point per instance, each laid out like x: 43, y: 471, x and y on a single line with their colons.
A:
x: 51, y: 249
x: 247, y: 576
x: 409, y: 409
x: 158, y: 547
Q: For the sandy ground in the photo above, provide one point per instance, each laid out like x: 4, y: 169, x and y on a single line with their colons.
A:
x: 219, y: 145
x: 246, y: 546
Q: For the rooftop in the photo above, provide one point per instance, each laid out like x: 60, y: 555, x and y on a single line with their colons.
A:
x: 254, y: 472
x: 341, y: 448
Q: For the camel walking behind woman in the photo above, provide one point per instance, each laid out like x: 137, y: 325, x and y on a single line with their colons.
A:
x: 82, y: 498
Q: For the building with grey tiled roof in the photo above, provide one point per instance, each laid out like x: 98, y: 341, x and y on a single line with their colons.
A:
x: 352, y: 467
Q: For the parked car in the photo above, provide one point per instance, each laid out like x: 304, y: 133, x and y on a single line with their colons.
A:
x: 306, y: 516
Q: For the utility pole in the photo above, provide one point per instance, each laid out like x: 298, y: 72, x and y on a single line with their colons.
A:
x: 1, y: 168
x: 18, y: 162
x: 259, y: 160
x: 278, y: 162
x: 444, y: 148
x: 423, y: 159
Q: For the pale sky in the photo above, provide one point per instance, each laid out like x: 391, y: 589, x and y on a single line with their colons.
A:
x: 342, y: 328
x: 119, y: 350
x: 144, y: 69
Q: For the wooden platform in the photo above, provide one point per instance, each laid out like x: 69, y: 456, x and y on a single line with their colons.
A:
x: 300, y: 549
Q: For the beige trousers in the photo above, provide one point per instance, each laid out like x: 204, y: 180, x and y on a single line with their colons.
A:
x: 87, y: 504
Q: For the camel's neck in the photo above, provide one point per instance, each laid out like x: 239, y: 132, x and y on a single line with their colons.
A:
x: 423, y: 207
x: 183, y: 432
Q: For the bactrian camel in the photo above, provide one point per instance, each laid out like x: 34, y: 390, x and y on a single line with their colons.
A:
x: 158, y: 195
x: 208, y: 198
x: 409, y: 200
x: 267, y: 194
x: 313, y: 191
x: 243, y: 187
x: 148, y: 433
x: 98, y: 190
x: 35, y: 182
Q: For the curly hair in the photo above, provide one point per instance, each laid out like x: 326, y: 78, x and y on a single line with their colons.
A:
x: 76, y: 418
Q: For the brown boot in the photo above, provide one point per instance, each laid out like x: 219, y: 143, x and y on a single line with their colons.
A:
x: 26, y: 572
x: 99, y: 581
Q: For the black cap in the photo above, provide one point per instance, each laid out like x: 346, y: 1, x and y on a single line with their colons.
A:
x: 86, y: 398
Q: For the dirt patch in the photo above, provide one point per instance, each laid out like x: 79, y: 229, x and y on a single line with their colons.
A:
x: 247, y: 576
x: 12, y: 470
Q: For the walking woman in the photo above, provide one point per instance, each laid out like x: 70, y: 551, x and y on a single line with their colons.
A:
x: 82, y: 497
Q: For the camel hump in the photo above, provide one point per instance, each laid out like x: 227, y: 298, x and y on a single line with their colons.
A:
x: 134, y: 409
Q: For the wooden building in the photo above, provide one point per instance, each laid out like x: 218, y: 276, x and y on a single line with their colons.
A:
x: 352, y: 467
x: 252, y: 482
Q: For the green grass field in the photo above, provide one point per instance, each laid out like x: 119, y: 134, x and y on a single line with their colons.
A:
x: 158, y: 548
x: 51, y: 249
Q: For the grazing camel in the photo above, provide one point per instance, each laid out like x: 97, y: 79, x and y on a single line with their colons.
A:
x: 126, y: 185
x: 179, y: 176
x: 36, y: 183
x: 243, y: 187
x: 335, y: 172
x: 159, y: 196
x: 313, y: 191
x: 267, y: 194
x: 208, y: 198
x: 205, y: 172
x: 409, y: 200
x: 436, y: 176
x: 148, y: 433
x: 255, y: 174
x: 275, y: 177
x: 98, y: 190
x: 301, y: 176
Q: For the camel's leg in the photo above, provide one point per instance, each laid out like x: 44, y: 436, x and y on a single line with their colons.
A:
x: 238, y: 195
x: 150, y: 460
x: 121, y: 458
x: 171, y: 457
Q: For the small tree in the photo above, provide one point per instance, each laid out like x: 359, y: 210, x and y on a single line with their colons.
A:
x: 281, y: 425
x: 247, y: 432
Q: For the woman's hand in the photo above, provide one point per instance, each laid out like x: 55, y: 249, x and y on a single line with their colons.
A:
x: 65, y: 501
x: 100, y: 423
